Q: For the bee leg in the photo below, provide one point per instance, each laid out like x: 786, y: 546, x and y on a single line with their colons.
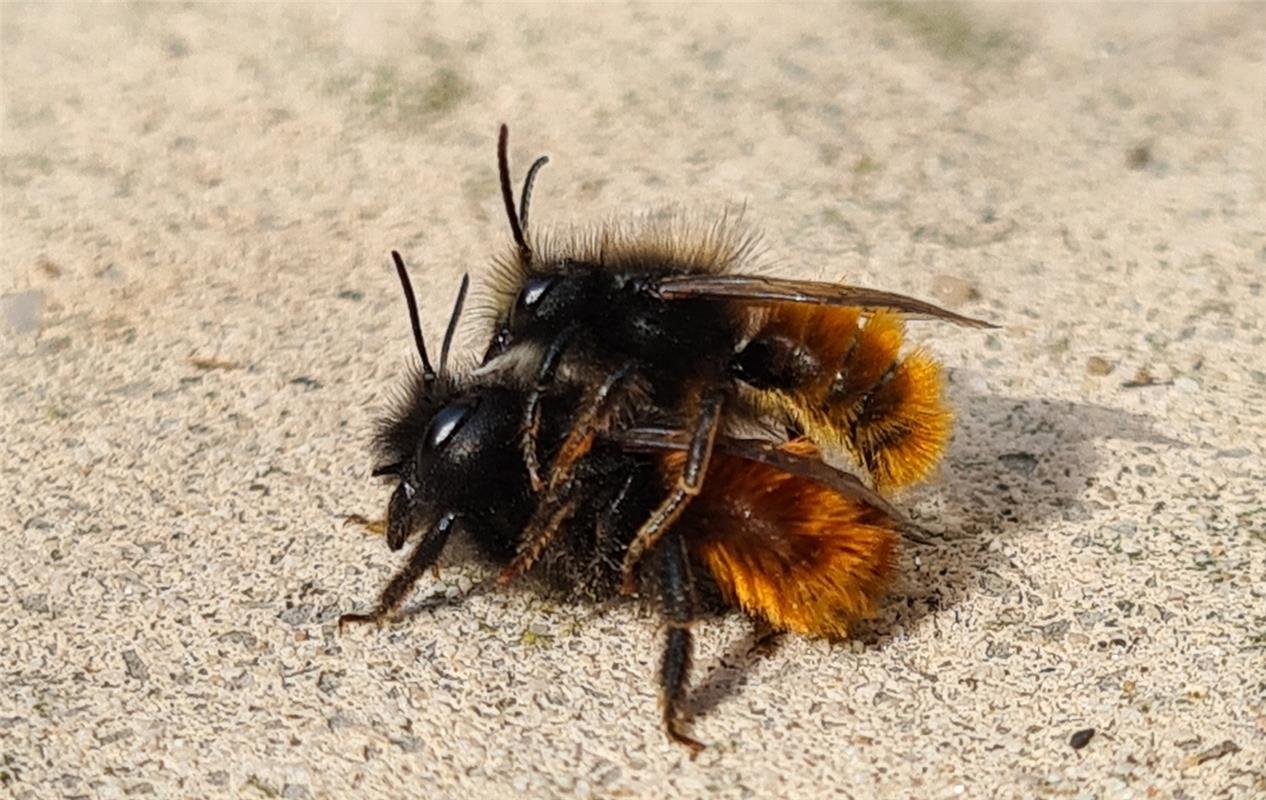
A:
x: 532, y: 410
x: 555, y: 506
x: 689, y: 482
x: 424, y: 554
x: 605, y: 531
x: 537, y: 535
x: 677, y: 600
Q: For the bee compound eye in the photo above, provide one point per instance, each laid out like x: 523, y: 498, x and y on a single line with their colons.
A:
x: 446, y: 423
x: 533, y: 291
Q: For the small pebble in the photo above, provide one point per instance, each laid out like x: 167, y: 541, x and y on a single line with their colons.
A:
x: 1139, y: 156
x: 1141, y: 378
x: 135, y: 667
x: 1098, y: 366
x: 1081, y: 738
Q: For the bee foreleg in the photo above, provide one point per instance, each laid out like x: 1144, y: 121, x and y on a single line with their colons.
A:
x: 545, y: 374
x: 555, y: 506
x: 424, y: 554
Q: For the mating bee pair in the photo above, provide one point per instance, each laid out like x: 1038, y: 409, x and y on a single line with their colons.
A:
x: 598, y: 445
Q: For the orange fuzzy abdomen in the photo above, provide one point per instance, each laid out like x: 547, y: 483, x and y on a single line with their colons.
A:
x: 788, y: 549
x: 883, y: 407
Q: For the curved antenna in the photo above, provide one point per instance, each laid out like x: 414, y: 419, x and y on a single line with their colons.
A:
x: 452, y: 322
x: 507, y: 194
x: 428, y: 372
x: 526, y: 196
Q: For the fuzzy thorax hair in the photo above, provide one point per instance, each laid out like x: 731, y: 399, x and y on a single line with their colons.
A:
x: 665, y: 242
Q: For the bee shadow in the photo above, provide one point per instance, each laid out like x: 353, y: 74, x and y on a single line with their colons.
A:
x: 726, y: 678
x: 1015, y: 465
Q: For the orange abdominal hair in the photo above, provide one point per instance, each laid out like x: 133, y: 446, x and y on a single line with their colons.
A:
x: 799, y: 554
x: 861, y: 394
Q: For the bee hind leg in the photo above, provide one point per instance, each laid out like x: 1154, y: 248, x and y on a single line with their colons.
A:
x: 677, y: 600
x: 689, y: 483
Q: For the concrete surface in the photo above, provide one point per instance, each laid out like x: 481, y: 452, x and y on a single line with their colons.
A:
x: 200, y: 322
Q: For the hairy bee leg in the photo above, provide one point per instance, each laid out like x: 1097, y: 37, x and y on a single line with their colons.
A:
x: 603, y: 531
x: 424, y: 555
x: 594, y: 418
x: 555, y: 506
x: 532, y: 411
x: 537, y: 537
x: 677, y: 601
x: 689, y: 483
x: 531, y: 428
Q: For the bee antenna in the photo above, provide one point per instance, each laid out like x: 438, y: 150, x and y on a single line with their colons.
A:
x: 452, y: 321
x: 507, y: 194
x: 428, y: 372
x: 526, y: 197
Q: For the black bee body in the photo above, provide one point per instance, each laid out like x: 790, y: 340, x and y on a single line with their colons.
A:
x: 593, y: 316
x: 577, y: 451
x: 454, y: 447
x: 600, y: 318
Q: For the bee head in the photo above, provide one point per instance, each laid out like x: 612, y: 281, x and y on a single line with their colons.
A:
x: 459, y: 456
x: 419, y: 442
x: 547, y: 303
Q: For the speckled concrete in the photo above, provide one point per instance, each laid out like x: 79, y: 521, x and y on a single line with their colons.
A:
x: 200, y: 320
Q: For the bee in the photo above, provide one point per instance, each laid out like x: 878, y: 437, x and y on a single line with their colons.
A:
x: 664, y: 312
x: 782, y: 535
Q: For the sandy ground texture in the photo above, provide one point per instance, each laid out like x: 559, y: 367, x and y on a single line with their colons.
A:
x: 200, y: 323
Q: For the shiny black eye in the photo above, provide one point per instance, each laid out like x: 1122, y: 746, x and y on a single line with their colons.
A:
x: 533, y: 291
x: 446, y: 422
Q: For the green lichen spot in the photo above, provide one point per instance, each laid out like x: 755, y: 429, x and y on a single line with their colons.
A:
x: 950, y: 31
x: 865, y: 166
x: 531, y: 638
x: 254, y: 782
x: 415, y: 102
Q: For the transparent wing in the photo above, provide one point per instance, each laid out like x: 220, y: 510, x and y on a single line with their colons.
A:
x: 758, y: 289
x: 650, y: 440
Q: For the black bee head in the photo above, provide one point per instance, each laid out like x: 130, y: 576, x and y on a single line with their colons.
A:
x: 453, y: 451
